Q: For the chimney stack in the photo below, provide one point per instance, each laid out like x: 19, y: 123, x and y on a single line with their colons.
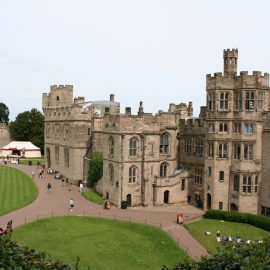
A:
x: 112, y: 97
x: 128, y: 111
x: 140, y: 112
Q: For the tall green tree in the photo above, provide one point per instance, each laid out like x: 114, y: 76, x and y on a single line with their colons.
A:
x: 29, y: 126
x: 4, y: 113
x: 95, y: 169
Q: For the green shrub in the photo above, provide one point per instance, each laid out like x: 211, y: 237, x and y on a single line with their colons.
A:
x: 257, y: 221
x: 13, y: 256
x: 30, y: 162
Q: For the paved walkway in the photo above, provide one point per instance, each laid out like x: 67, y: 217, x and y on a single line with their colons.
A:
x: 56, y: 203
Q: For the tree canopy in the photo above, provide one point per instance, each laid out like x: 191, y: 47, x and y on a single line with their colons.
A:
x: 95, y: 169
x: 29, y: 126
x: 233, y: 256
x: 4, y: 113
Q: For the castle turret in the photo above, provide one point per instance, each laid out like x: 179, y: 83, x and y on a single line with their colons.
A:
x: 230, y: 61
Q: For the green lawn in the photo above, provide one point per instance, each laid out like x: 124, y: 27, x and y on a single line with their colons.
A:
x: 93, y: 197
x: 16, y: 190
x: 34, y: 161
x: 245, y: 231
x: 100, y: 243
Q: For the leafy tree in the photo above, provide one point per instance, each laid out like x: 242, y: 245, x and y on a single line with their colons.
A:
x: 14, y: 256
x: 4, y: 113
x: 29, y: 126
x: 95, y: 169
x: 232, y: 256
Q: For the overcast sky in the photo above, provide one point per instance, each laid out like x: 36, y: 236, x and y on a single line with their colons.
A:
x: 153, y: 51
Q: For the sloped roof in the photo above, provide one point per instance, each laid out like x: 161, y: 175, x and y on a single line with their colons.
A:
x: 20, y: 145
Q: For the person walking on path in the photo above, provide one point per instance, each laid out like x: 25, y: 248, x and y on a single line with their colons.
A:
x: 71, y: 204
x: 33, y: 174
x: 81, y: 187
x: 49, y: 187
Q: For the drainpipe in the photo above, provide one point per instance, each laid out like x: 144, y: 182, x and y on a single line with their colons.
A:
x: 142, y: 170
x: 122, y: 167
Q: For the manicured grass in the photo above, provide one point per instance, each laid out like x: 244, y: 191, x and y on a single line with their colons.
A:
x: 244, y: 231
x: 34, y: 161
x: 100, y: 243
x: 16, y: 190
x: 93, y: 197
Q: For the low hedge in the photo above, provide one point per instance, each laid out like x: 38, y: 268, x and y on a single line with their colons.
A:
x: 254, y: 220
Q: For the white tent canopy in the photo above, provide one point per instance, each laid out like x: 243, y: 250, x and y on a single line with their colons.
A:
x: 22, y: 149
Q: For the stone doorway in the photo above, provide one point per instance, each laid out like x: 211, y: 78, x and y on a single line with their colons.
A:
x: 233, y: 207
x: 166, y: 196
x: 129, y: 200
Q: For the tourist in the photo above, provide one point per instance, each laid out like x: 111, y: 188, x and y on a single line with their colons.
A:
x: 33, y: 174
x: 49, y: 187
x: 71, y: 204
x: 81, y: 187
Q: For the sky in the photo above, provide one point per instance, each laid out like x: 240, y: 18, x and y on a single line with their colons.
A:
x: 158, y: 52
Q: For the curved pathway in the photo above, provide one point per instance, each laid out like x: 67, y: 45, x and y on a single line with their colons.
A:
x: 56, y: 203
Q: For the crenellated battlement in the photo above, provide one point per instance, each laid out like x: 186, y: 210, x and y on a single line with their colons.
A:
x: 244, y: 80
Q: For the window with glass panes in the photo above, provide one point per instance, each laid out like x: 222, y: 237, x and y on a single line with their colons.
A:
x: 248, y: 151
x: 247, y: 184
x: 224, y: 101
x: 250, y: 101
x: 238, y: 101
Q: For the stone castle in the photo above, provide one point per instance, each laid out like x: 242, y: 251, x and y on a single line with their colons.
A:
x: 4, y: 135
x: 218, y: 160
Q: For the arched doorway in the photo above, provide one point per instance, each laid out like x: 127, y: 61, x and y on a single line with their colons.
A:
x: 129, y: 200
x: 166, y: 196
x: 233, y: 207
x: 48, y: 155
x: 209, y: 201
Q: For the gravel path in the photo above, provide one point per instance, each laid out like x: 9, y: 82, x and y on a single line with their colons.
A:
x: 56, y: 203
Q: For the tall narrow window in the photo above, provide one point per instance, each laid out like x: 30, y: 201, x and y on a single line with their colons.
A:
x: 183, y: 184
x: 66, y: 155
x: 198, y: 176
x: 250, y: 101
x: 211, y: 149
x: 199, y: 146
x: 133, y: 147
x: 164, y: 143
x: 223, y: 127
x: 221, y: 176
x: 111, y: 173
x: 223, y: 101
x: 132, y: 174
x: 211, y: 127
x: 211, y: 102
x: 260, y: 100
x: 237, y: 128
x: 111, y: 146
x: 163, y: 169
x: 57, y: 154
x: 238, y: 101
x: 256, y: 182
x: 222, y: 150
x: 247, y: 184
x: 237, y: 151
x: 236, y: 182
x: 248, y: 152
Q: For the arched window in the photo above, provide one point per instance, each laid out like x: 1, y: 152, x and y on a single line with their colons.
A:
x: 249, y: 128
x: 133, y: 144
x: 164, y: 143
x: 164, y: 169
x: 111, y: 173
x: 111, y: 146
x: 132, y: 174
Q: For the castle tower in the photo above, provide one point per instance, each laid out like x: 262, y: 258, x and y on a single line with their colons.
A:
x: 230, y: 61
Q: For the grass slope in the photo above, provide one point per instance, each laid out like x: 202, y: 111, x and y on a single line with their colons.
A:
x: 245, y: 231
x: 100, y: 243
x: 16, y: 190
